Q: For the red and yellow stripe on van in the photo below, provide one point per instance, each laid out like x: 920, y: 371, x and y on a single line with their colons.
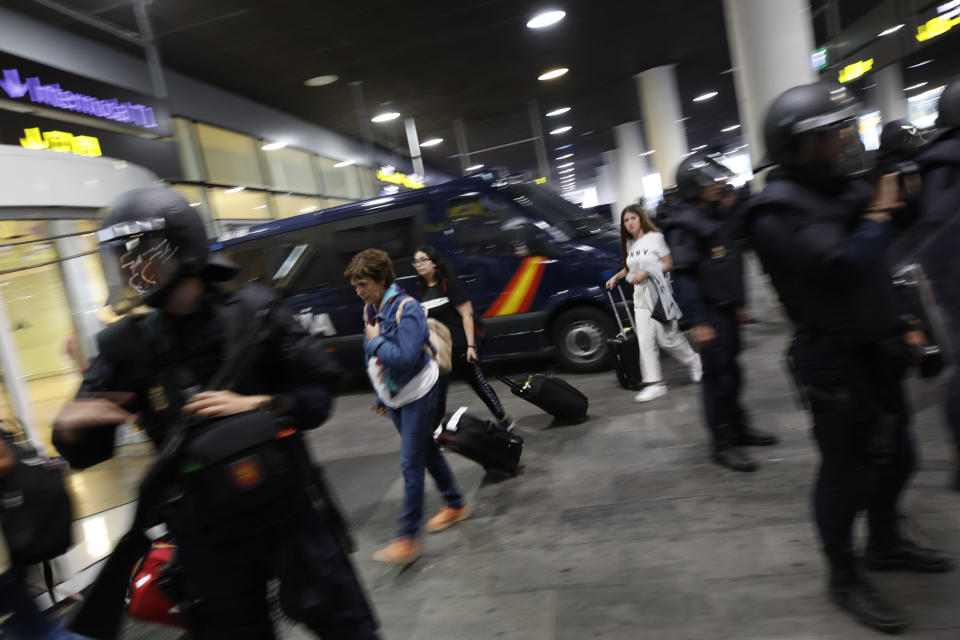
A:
x: 518, y: 295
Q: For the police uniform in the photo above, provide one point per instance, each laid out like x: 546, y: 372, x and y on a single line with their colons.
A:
x: 828, y: 264
x: 162, y: 359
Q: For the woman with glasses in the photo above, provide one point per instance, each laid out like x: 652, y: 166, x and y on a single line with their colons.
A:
x: 444, y: 298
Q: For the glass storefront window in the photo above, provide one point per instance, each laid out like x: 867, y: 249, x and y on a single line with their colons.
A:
x: 291, y: 170
x: 229, y: 204
x: 340, y: 182
x: 368, y: 183
x: 230, y: 158
x: 287, y: 206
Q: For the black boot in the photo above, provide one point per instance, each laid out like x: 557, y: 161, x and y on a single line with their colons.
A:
x: 726, y: 453
x: 747, y: 436
x: 896, y: 553
x: 850, y: 590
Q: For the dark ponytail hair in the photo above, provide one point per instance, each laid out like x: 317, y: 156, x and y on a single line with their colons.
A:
x: 443, y: 269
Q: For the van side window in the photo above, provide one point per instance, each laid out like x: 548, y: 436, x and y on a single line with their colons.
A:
x: 478, y: 220
x: 395, y: 232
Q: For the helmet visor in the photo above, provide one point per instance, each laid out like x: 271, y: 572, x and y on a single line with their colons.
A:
x: 850, y: 156
x: 136, y: 267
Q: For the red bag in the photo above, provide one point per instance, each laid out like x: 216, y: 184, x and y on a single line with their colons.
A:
x: 147, y: 600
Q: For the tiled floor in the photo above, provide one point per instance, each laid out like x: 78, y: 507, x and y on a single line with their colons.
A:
x: 621, y: 528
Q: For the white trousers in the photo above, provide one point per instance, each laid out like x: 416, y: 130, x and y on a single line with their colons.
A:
x: 653, y: 335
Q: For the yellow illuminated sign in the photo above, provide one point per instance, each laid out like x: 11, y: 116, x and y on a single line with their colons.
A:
x: 387, y: 174
x: 60, y: 141
x: 540, y: 180
x: 936, y: 27
x: 855, y: 70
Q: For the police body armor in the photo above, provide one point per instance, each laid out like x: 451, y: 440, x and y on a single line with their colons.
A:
x: 846, y: 316
x: 721, y: 273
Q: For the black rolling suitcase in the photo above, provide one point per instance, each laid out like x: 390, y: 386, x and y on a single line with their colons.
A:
x: 626, y: 348
x: 558, y: 398
x: 488, y: 444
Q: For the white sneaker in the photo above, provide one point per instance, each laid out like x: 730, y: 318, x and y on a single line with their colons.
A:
x: 696, y: 368
x: 651, y: 392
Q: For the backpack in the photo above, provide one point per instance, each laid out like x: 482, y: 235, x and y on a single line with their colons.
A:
x: 441, y: 344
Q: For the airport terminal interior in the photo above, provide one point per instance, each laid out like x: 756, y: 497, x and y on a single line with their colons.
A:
x: 512, y: 135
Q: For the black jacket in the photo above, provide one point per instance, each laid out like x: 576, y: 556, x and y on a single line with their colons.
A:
x: 162, y: 360
x: 828, y: 264
x: 707, y: 263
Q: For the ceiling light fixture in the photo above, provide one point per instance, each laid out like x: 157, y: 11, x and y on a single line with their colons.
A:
x: 235, y: 190
x: 916, y: 86
x: 474, y: 167
x: 920, y: 64
x: 732, y: 127
x: 545, y: 19
x: 262, y: 206
x: 565, y: 156
x: 553, y: 73
x: 565, y: 165
x: 273, y: 145
x: 385, y: 117
x: 566, y: 170
x: 558, y: 112
x: 195, y: 204
x: 647, y: 153
x: 703, y: 146
x: 345, y: 163
x: 560, y: 130
x: 562, y: 147
x: 432, y: 142
x: 887, y: 32
x: 321, y: 81
x: 706, y: 96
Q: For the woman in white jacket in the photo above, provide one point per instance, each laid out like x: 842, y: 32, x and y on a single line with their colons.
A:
x: 647, y: 260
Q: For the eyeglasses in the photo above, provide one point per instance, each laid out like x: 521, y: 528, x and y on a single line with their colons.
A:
x: 421, y: 261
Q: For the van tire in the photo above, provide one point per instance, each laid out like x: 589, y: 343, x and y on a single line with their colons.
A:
x: 580, y: 340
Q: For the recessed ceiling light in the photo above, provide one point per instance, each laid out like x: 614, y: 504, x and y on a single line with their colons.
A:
x: 566, y: 170
x: 345, y: 163
x: 887, y: 32
x: 916, y: 86
x: 545, y: 19
x: 647, y: 153
x: 706, y: 96
x: 195, y: 204
x: 262, y: 206
x: 553, y: 73
x: 920, y: 64
x: 273, y: 145
x: 385, y: 117
x: 562, y: 147
x: 560, y: 130
x: 565, y: 165
x: 703, y: 146
x: 565, y: 156
x: 432, y: 142
x: 321, y: 81
x: 587, y: 133
x: 235, y: 190
x: 474, y: 167
x: 732, y: 127
x: 558, y: 112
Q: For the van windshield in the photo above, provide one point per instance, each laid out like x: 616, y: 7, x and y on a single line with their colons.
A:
x: 569, y: 218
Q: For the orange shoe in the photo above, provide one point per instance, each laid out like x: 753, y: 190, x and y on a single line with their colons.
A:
x: 447, y: 517
x: 400, y: 551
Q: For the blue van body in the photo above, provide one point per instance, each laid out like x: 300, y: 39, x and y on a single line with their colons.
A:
x: 532, y: 263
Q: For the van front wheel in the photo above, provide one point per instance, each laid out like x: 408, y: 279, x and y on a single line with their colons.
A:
x: 580, y: 337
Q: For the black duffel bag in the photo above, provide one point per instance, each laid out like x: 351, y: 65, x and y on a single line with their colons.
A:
x: 37, y: 514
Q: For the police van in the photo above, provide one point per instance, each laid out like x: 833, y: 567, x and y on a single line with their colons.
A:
x: 533, y: 264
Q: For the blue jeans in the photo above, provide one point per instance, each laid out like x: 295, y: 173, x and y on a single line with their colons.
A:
x: 419, y: 452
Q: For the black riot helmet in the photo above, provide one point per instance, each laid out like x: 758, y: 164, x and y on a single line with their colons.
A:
x: 948, y: 109
x: 698, y: 171
x: 814, y: 129
x: 151, y: 238
x: 900, y: 137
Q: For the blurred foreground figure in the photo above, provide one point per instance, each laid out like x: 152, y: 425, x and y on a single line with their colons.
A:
x: 822, y: 235
x: 709, y: 285
x: 935, y: 241
x: 236, y: 489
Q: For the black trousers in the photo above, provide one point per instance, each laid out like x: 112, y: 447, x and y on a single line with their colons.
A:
x: 318, y: 586
x: 474, y: 376
x: 722, y: 377
x: 861, y: 425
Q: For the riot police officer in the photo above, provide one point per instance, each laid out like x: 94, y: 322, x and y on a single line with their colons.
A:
x: 936, y: 237
x: 154, y: 252
x: 708, y: 282
x: 821, y: 234
x: 666, y: 206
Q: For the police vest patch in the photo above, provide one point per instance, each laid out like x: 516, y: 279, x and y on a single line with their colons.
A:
x: 158, y: 399
x: 718, y: 253
x: 246, y: 472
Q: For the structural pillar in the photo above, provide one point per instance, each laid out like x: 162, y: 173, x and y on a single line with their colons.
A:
x: 413, y: 144
x: 888, y: 93
x: 631, y: 167
x: 14, y: 379
x: 606, y: 179
x: 663, y: 120
x: 770, y: 46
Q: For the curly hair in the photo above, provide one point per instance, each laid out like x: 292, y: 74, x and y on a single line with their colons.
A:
x: 373, y: 264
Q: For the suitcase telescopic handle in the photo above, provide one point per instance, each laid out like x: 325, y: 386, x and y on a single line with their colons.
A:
x: 616, y: 312
x: 626, y: 309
